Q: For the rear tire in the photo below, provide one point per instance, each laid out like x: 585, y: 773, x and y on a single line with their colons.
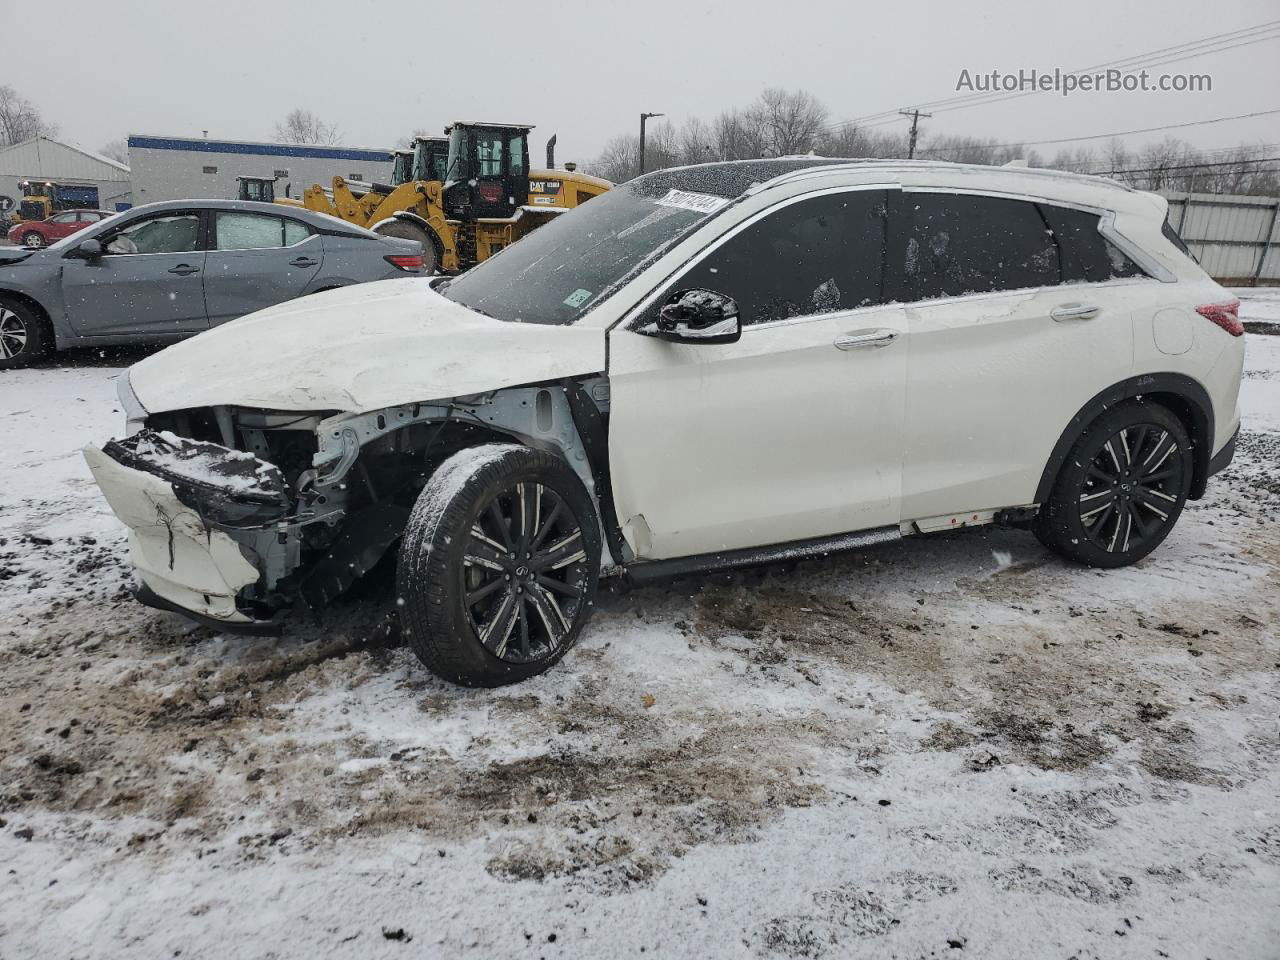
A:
x: 498, y: 565
x: 1121, y: 489
x: 24, y: 335
x: 408, y: 230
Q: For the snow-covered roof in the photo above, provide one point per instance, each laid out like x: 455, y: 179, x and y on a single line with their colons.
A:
x: 34, y: 157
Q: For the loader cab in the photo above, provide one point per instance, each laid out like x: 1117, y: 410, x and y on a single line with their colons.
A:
x: 430, y: 158
x: 402, y: 172
x: 488, y: 171
x: 261, y: 189
x: 39, y: 200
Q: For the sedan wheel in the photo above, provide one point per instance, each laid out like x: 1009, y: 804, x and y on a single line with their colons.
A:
x: 13, y: 334
x: 32, y: 240
x: 1122, y: 488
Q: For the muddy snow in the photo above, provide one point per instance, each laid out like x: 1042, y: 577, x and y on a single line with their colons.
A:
x: 953, y: 746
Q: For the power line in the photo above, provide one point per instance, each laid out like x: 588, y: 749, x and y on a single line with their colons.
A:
x: 1125, y: 133
x: 1184, y: 51
x: 1182, y: 166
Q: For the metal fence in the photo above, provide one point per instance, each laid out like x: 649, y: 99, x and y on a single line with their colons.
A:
x: 1235, y: 238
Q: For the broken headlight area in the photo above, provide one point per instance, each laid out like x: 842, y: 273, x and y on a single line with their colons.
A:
x: 230, y: 488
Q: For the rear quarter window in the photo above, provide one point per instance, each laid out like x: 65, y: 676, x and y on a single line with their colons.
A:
x: 1087, y: 256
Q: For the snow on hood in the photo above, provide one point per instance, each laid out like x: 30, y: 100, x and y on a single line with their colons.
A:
x: 361, y: 348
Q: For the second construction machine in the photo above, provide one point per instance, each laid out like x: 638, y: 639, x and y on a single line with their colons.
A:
x: 466, y: 195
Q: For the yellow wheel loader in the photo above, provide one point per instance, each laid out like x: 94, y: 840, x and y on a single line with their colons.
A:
x: 468, y: 195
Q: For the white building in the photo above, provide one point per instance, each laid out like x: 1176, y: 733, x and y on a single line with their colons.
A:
x: 178, y: 168
x: 87, y: 179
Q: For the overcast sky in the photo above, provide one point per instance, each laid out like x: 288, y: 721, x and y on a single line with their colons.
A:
x: 584, y: 70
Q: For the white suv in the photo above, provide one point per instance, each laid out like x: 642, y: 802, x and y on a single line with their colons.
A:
x: 705, y: 367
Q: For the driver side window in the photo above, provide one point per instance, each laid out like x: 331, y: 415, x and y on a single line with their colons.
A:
x: 814, y: 256
x: 169, y: 233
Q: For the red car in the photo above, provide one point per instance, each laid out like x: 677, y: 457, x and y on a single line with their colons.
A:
x: 40, y: 233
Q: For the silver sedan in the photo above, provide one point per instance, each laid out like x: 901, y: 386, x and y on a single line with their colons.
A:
x: 165, y: 271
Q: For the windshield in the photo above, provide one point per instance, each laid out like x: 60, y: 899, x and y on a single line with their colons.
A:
x: 559, y: 272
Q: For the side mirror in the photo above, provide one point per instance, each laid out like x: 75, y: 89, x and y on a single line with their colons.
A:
x: 89, y: 250
x: 699, y: 316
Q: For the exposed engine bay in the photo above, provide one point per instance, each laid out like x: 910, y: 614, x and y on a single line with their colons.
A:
x: 242, y: 514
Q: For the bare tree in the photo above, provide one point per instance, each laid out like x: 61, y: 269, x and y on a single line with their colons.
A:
x: 853, y: 141
x: 792, y: 120
x: 696, y: 142
x: 739, y: 136
x: 303, y: 126
x: 619, y: 160
x: 20, y: 119
x: 117, y: 150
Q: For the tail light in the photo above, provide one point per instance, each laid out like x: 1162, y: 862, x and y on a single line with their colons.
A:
x: 413, y: 263
x: 1226, y: 315
x: 490, y: 192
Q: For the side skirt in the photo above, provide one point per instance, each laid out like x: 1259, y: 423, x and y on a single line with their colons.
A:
x: 731, y: 559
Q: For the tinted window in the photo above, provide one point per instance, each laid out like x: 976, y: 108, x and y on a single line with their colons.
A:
x: 250, y: 231
x: 946, y: 245
x: 171, y: 233
x: 63, y: 218
x: 814, y: 256
x: 1087, y: 256
x: 1172, y: 236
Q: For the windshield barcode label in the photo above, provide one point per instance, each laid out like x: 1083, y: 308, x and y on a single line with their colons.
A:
x: 702, y: 202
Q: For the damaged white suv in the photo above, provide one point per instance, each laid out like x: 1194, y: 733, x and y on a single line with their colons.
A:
x: 706, y: 367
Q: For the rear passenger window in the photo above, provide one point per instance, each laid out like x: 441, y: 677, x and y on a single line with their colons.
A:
x: 1087, y: 256
x: 254, y: 231
x: 816, y: 256
x: 947, y: 245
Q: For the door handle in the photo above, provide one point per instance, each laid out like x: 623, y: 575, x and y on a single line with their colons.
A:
x: 863, y: 339
x: 303, y: 262
x: 1075, y: 311
x: 184, y: 270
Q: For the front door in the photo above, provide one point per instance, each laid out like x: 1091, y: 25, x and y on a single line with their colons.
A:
x: 148, y: 281
x: 794, y: 431
x: 256, y: 261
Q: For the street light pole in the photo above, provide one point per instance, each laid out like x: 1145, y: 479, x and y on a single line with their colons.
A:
x: 643, y: 118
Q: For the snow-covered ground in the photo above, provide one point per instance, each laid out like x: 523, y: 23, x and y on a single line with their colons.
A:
x: 954, y: 746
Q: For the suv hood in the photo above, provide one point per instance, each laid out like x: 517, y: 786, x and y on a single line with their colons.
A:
x: 361, y: 348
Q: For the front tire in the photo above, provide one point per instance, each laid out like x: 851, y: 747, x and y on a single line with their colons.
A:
x: 1121, y: 489
x: 498, y: 565
x: 24, y: 335
x: 33, y: 240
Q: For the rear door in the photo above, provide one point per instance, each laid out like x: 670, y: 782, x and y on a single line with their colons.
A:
x: 148, y: 282
x: 1002, y: 352
x: 257, y: 260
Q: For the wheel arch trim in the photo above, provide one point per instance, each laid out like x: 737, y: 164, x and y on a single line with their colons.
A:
x: 1196, y: 410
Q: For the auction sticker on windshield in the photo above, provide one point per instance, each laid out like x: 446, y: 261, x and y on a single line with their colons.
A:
x: 686, y: 200
x: 577, y: 298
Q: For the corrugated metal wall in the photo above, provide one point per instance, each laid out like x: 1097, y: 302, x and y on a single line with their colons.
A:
x: 1235, y: 238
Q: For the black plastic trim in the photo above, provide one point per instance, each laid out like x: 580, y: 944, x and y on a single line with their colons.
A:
x: 595, y: 441
x: 253, y: 628
x: 1189, y: 391
x: 729, y: 559
x: 1222, y: 459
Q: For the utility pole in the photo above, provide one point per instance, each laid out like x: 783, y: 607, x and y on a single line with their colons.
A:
x: 643, y: 118
x: 915, y: 116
